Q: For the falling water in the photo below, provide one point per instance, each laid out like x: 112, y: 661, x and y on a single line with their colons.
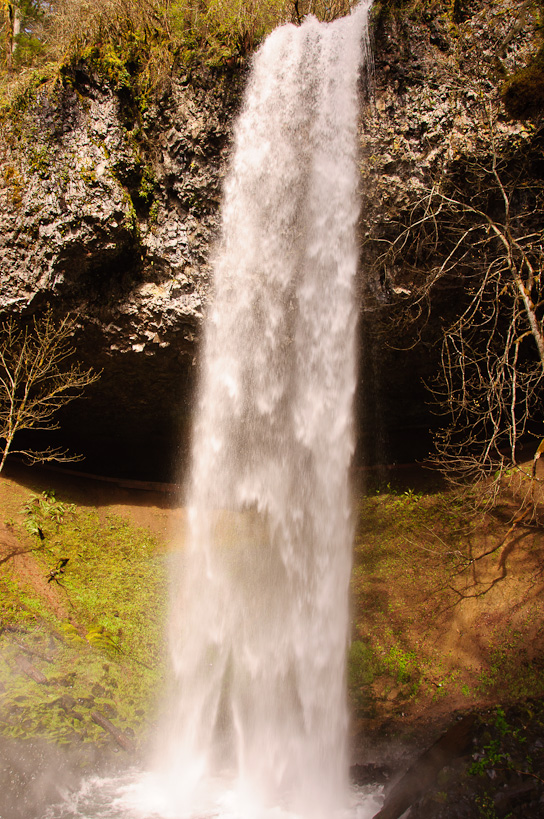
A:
x: 257, y: 724
x: 260, y: 626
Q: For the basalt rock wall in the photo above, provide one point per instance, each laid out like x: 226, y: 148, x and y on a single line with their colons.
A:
x: 109, y: 212
x: 109, y: 209
x: 435, y: 119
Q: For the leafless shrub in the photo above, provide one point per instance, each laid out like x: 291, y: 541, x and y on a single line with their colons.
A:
x: 37, y: 378
x: 476, y: 232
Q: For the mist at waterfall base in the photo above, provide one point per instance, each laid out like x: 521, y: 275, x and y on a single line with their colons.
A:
x: 257, y: 717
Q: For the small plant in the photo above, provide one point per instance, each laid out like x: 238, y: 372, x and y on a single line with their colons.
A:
x: 99, y: 637
x: 146, y: 190
x: 486, y: 807
x: 402, y: 665
x: 72, y: 633
x: 491, y: 757
x: 504, y: 750
x: 42, y: 509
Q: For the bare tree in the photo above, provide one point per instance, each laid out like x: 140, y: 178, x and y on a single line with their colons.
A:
x: 477, y: 234
x: 37, y: 378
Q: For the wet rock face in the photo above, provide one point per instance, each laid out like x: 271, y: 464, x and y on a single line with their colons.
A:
x: 109, y: 211
x: 436, y: 82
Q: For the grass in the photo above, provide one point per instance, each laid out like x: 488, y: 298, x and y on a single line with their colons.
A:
x: 135, y: 45
x: 100, y: 647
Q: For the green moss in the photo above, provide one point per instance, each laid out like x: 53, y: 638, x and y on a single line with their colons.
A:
x: 523, y: 94
x: 363, y: 668
x: 153, y: 215
x: 13, y: 181
x: 132, y: 217
x: 107, y: 654
x: 110, y: 64
x: 88, y: 176
x: 20, y: 94
x: 148, y: 184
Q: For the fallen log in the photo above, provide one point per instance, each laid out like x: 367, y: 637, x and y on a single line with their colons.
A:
x: 121, y: 739
x: 33, y: 652
x: 27, y: 668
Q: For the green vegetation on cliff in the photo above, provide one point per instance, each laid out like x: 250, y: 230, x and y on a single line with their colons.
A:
x: 132, y: 42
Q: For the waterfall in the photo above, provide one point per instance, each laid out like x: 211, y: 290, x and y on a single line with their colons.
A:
x: 259, y: 623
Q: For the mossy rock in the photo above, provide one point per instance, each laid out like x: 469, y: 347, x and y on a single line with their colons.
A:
x: 523, y: 94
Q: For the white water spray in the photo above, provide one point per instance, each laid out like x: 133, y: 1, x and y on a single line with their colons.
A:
x: 260, y: 615
x: 259, y: 627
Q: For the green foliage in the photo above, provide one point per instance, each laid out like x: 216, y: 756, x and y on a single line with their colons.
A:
x: 401, y: 664
x: 493, y: 757
x: 376, y: 669
x: 503, y: 748
x: 30, y: 42
x: 147, y: 187
x: 485, y: 806
x: 43, y: 508
x: 99, y: 637
x: 134, y: 44
x: 102, y: 650
x: 27, y: 46
x: 72, y: 634
x: 109, y: 64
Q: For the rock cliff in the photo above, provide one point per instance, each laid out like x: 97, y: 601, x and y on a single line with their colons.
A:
x: 110, y: 212
x: 435, y: 113
x: 109, y: 208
